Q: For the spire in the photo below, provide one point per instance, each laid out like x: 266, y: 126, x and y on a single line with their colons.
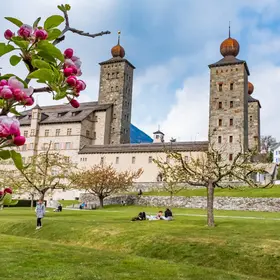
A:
x: 229, y: 30
x: 119, y: 37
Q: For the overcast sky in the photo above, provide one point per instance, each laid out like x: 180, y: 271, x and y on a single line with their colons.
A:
x: 170, y: 42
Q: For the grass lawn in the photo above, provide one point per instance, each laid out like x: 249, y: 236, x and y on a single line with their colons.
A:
x: 236, y: 192
x: 68, y: 202
x: 104, y: 244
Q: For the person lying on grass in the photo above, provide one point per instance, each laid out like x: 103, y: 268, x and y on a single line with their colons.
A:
x: 167, y: 216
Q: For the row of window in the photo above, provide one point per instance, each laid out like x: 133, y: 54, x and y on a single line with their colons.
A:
x: 116, y: 75
x: 45, y: 146
x: 230, y: 138
x: 220, y: 86
x: 222, y: 71
x: 57, y: 133
x: 220, y: 122
x: 133, y: 159
x: 220, y: 105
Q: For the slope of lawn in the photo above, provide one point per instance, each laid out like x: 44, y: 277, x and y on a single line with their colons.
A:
x: 236, y: 192
x: 105, y: 244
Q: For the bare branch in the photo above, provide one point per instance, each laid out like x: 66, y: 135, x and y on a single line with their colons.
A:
x: 43, y: 89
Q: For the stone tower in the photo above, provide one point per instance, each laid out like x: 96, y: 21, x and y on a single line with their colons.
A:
x: 116, y: 81
x: 253, y: 120
x: 36, y: 115
x: 228, y: 117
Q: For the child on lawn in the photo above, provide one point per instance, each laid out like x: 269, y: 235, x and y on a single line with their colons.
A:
x: 40, y: 213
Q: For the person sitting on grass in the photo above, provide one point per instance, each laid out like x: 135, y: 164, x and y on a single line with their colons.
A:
x: 141, y: 217
x: 167, y: 215
x: 40, y: 213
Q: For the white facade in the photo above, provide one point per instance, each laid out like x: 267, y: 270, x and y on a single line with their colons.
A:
x: 276, y: 154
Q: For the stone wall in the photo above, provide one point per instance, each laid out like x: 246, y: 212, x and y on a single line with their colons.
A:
x: 196, y: 202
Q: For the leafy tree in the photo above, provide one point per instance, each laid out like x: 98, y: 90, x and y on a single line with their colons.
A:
x: 171, y: 180
x: 35, y: 47
x: 103, y: 181
x: 267, y: 143
x: 211, y: 170
x: 46, y: 171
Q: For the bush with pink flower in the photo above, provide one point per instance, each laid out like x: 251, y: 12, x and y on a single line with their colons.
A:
x: 59, y: 72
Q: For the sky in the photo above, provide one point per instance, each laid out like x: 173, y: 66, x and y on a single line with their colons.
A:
x: 171, y: 43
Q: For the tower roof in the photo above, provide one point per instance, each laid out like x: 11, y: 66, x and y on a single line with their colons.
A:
x: 229, y: 47
x: 158, y: 132
x: 118, y: 50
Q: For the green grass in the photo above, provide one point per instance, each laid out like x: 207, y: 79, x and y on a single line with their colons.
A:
x: 236, y: 192
x: 68, y: 202
x: 104, y: 244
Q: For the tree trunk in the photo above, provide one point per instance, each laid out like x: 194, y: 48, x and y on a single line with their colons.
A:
x: 101, y: 198
x: 32, y: 199
x: 210, y: 203
x: 171, y: 198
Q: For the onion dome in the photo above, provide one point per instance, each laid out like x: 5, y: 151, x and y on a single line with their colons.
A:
x: 250, y: 88
x: 118, y: 50
x: 229, y: 47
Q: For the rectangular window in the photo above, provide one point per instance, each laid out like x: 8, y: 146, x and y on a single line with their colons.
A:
x: 186, y: 158
x: 87, y: 133
x: 25, y: 133
x: 102, y: 160
x: 219, y: 139
x: 24, y: 147
x: 133, y: 160
x: 220, y: 122
x: 94, y: 135
x: 69, y: 131
x: 231, y: 122
x: 220, y: 87
x: 220, y: 105
x: 31, y: 146
x: 167, y: 159
x: 117, y: 160
x: 230, y: 157
x: 231, y: 86
x: 57, y: 132
x: 56, y: 146
x: 230, y: 139
x: 150, y: 159
x: 47, y: 132
x: 32, y: 132
x: 219, y: 157
x: 45, y: 146
x: 231, y: 104
x: 251, y: 118
x: 67, y: 145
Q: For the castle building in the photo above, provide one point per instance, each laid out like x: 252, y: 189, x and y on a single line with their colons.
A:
x: 228, y: 118
x: 99, y: 132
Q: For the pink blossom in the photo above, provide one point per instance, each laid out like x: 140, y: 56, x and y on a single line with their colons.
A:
x: 79, y: 73
x: 71, y: 81
x: 14, y: 83
x: 19, y: 140
x: 80, y: 85
x: 29, y: 101
x: 74, y: 70
x: 8, y: 126
x: 3, y: 83
x: 8, y: 34
x: 68, y: 63
x: 25, y: 31
x: 68, y: 53
x: 8, y: 190
x: 68, y: 71
x: 75, y: 103
x: 6, y: 93
x: 78, y: 63
x: 41, y: 34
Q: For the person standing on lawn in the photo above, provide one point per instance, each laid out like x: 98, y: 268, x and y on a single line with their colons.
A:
x: 40, y: 213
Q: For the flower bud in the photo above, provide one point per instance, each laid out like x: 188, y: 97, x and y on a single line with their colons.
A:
x: 8, y: 190
x: 8, y: 34
x: 3, y: 83
x: 6, y: 93
x: 71, y: 81
x: 80, y: 85
x: 29, y: 101
x: 19, y: 140
x: 75, y: 103
x: 68, y: 53
x: 41, y: 34
x: 25, y: 31
x: 68, y: 71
